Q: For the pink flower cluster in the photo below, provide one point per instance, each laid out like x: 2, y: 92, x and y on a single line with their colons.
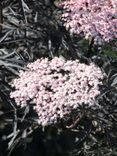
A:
x: 57, y: 87
x: 94, y: 18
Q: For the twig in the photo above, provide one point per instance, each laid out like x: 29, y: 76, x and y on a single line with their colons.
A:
x: 76, y: 122
x: 91, y: 42
x: 1, y: 18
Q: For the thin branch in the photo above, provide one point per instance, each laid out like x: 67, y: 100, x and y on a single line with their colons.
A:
x: 1, y: 19
x: 78, y: 119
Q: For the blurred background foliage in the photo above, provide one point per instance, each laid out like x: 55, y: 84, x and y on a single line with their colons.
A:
x: 31, y: 29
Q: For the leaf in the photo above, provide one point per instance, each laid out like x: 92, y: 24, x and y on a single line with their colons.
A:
x: 114, y: 82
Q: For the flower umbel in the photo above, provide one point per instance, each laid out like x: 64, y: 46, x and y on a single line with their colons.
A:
x: 57, y: 87
x: 93, y: 18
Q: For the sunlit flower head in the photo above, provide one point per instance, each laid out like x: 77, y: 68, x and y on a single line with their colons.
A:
x: 57, y: 87
x: 95, y: 19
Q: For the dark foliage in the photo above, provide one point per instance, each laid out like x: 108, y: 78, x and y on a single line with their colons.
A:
x: 32, y: 29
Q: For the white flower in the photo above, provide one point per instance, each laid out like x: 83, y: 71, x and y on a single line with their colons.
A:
x: 57, y: 92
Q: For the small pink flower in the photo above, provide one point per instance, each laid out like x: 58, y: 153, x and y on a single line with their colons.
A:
x: 60, y: 90
x: 94, y: 18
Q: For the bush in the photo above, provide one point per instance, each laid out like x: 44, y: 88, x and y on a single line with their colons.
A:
x: 32, y: 32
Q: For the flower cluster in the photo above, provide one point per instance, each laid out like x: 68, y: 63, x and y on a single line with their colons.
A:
x: 57, y: 87
x: 96, y: 19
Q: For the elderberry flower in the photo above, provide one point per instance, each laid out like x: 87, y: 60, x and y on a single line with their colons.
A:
x: 57, y: 87
x: 96, y: 19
